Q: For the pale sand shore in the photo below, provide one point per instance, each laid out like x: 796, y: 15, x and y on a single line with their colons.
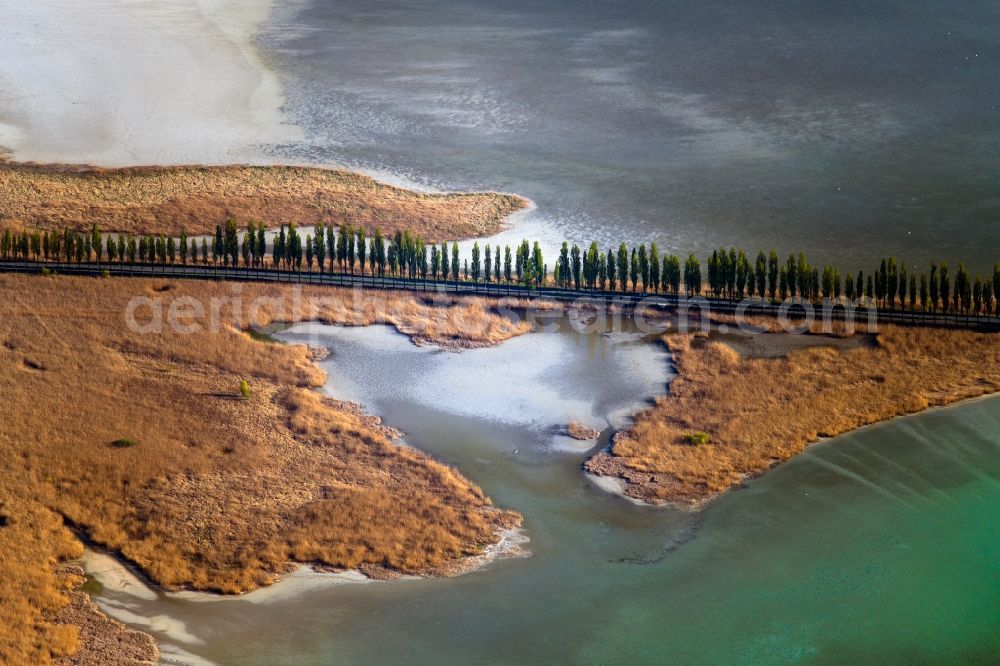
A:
x: 115, y: 575
x: 174, y: 637
x: 121, y: 82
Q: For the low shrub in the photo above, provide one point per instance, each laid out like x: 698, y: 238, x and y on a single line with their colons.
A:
x: 696, y: 438
x: 123, y: 443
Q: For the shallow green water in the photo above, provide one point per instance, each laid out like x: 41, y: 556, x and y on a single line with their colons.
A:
x: 881, y: 546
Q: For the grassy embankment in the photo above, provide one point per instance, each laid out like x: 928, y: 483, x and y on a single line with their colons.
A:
x: 212, y: 492
x: 194, y: 199
x: 758, y: 412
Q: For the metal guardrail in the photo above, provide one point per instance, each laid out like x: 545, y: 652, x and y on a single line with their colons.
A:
x: 500, y: 290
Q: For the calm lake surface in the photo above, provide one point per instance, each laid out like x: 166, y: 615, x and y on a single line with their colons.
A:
x: 850, y: 130
x: 880, y: 546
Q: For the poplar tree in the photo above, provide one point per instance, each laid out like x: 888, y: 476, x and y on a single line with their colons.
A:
x: 278, y: 251
x: 902, y: 285
x: 828, y: 281
x: 435, y: 261
x: 592, y: 265
x: 934, y: 286
x: 715, y: 279
x: 563, y: 265
x: 692, y: 275
x: 475, y: 262
x: 804, y: 273
x: 488, y: 263
x: 634, y: 269
x: 791, y: 276
x: 496, y: 264
x: 538, y: 267
x: 611, y: 268
x: 996, y: 282
x: 68, y: 242
x: 891, y: 283
x: 944, y: 289
x: 319, y: 247
x: 575, y: 265
x: 672, y: 271
x: 250, y: 241
x: 880, y: 282
x: 623, y: 267
x: 217, y: 245
x: 351, y: 249
x: 742, y: 273
x: 643, y: 268
x: 654, y: 267
x: 454, y: 259
x: 378, y: 247
x: 772, y: 274
x: 760, y: 272
x: 331, y: 247
x: 962, y: 297
x: 362, y: 245
x: 506, y: 263
x: 729, y: 271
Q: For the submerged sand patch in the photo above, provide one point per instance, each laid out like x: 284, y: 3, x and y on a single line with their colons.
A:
x: 114, y: 82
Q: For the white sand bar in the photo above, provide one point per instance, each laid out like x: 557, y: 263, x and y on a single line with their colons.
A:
x: 119, y: 82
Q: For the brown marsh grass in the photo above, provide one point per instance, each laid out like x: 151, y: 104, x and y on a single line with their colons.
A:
x: 759, y: 412
x: 194, y: 199
x: 217, y: 492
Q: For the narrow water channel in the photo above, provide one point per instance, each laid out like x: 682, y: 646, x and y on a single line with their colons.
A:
x: 879, y: 545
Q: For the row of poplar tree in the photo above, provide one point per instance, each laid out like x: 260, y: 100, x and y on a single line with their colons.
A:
x: 731, y: 273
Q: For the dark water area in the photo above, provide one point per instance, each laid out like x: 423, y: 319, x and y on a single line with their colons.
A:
x: 849, y: 130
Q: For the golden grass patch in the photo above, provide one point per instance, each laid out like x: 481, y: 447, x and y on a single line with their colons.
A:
x: 214, y: 492
x: 758, y: 412
x: 194, y: 199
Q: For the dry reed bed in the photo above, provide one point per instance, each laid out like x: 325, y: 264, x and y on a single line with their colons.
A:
x: 218, y: 493
x: 193, y: 199
x: 759, y: 412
